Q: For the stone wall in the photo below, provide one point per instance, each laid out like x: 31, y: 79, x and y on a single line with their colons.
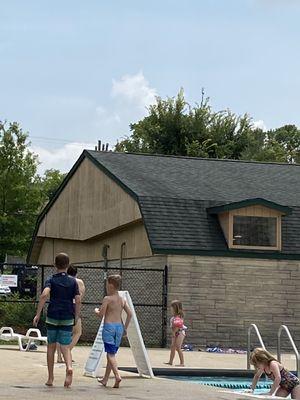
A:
x: 223, y: 296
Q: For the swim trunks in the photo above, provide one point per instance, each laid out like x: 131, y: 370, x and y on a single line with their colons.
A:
x: 112, y: 335
x: 61, y: 336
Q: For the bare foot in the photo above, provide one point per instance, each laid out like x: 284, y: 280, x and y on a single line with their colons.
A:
x: 49, y: 383
x: 168, y: 363
x: 102, y: 381
x: 69, y: 378
x: 117, y: 383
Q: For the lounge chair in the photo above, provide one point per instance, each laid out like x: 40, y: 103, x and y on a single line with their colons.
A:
x: 7, y: 333
x: 33, y: 334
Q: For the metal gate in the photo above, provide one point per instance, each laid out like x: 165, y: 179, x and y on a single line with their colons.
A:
x: 147, y: 287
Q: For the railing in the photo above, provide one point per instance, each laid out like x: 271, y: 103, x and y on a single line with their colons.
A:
x: 286, y: 329
x: 251, y: 327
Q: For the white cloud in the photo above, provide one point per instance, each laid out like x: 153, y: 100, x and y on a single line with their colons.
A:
x: 128, y: 101
x: 134, y: 89
x: 259, y: 124
x: 62, y: 158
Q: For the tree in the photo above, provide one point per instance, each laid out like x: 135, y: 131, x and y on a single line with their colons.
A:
x: 174, y: 127
x: 50, y: 182
x: 20, y: 196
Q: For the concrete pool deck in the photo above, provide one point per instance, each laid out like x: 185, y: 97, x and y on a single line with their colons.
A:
x: 22, y: 377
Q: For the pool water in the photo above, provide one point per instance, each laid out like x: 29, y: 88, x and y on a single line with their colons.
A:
x: 233, y: 383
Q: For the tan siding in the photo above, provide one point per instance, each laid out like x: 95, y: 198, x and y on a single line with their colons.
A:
x: 256, y: 211
x: 224, y: 222
x: 89, y: 205
x: 135, y: 237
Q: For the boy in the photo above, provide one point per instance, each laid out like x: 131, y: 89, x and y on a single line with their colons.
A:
x: 77, y: 328
x: 61, y: 315
x: 113, y: 328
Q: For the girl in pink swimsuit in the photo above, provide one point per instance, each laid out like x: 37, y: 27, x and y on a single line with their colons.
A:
x: 284, y: 382
x: 178, y: 332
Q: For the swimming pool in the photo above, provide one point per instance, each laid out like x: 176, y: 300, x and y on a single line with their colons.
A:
x: 232, y: 379
x: 224, y: 382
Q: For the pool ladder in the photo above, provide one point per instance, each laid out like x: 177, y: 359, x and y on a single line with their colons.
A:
x: 282, y: 328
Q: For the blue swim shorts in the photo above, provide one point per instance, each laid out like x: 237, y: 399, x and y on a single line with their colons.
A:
x: 61, y: 336
x: 112, y: 335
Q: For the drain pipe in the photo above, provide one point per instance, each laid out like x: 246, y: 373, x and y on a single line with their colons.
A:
x: 123, y: 246
x: 104, y: 255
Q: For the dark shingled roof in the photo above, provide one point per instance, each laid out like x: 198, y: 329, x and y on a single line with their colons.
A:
x: 175, y: 192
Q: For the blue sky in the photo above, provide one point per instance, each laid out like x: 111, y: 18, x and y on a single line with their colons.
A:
x: 72, y: 72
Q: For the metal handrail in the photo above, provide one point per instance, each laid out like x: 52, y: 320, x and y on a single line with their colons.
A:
x: 251, y: 327
x: 286, y: 329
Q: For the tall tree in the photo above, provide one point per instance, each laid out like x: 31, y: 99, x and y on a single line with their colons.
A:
x: 20, y: 195
x: 172, y: 126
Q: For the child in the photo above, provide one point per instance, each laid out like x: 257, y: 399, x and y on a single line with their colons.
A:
x: 284, y: 382
x: 77, y: 328
x: 178, y: 332
x: 61, y: 315
x: 113, y: 329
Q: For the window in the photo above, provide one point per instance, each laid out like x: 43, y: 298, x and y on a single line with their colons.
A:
x: 254, y: 231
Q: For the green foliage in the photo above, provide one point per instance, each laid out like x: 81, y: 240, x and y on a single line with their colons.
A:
x: 50, y: 182
x: 17, y: 313
x: 22, y: 192
x: 173, y: 127
x: 20, y: 196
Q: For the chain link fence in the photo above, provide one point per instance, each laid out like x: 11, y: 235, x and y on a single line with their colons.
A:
x: 147, y: 288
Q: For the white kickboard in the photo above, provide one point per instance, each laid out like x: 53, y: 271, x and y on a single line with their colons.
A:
x: 93, y: 363
x: 136, y: 342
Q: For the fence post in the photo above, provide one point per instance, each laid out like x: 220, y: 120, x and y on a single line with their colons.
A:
x: 42, y: 277
x: 165, y: 306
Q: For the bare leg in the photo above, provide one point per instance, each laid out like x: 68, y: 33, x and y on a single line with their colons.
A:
x: 295, y: 393
x: 114, y: 367
x: 178, y: 343
x: 77, y: 332
x: 50, y: 363
x: 68, y: 361
x: 172, y: 352
x: 59, y: 356
x: 104, y: 380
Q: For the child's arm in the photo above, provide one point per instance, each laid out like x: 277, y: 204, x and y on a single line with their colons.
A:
x: 129, y: 316
x: 77, y: 307
x: 274, y: 367
x: 102, y: 310
x: 256, y: 379
x: 43, y: 298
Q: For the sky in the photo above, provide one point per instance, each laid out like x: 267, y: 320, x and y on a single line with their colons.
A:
x: 73, y: 72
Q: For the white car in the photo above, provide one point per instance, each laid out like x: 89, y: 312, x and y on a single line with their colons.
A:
x: 4, y: 290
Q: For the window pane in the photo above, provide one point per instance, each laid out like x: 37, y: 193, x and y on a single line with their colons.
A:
x: 254, y: 231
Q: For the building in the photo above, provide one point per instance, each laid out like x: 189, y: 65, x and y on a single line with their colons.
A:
x: 227, y: 230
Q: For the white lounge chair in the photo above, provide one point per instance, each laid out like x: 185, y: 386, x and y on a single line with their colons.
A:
x: 33, y: 334
x: 7, y: 333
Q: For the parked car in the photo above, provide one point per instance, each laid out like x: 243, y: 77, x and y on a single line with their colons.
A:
x: 4, y: 290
